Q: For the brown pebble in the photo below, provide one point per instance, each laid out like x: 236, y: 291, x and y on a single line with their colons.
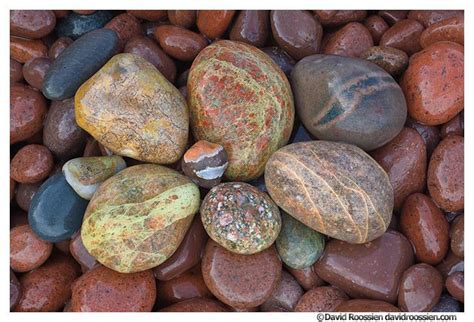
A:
x: 104, y: 290
x: 48, y: 288
x: 425, y: 226
x: 27, y: 250
x: 251, y: 27
x: 451, y: 29
x: 32, y: 24
x: 351, y: 40
x: 80, y: 253
x: 24, y: 193
x: 182, y: 18
x: 429, y: 17
x: 453, y: 127
x: 360, y: 305
x: 196, y: 305
x: 393, y: 60
x: 180, y: 43
x: 34, y: 71
x: 321, y: 299
x: 149, y: 15
x: 148, y: 49
x: 393, y: 16
x: 420, y: 288
x: 376, y: 26
x: 23, y: 50
x: 404, y: 35
x: 404, y: 160
x: 58, y: 46
x: 126, y: 27
x: 306, y: 277
x: 31, y: 164
x: 455, y: 285
x: 16, y: 71
x: 457, y: 236
x: 285, y: 296
x: 446, y: 174
x: 332, y: 18
x: 430, y: 134
x: 450, y: 264
x: 214, y: 23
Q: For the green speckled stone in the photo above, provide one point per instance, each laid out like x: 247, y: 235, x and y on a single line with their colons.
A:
x: 298, y: 245
x: 137, y: 218
x: 240, y: 218
x: 85, y: 175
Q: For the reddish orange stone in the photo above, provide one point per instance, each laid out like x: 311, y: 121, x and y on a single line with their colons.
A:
x: 213, y: 23
x: 22, y: 50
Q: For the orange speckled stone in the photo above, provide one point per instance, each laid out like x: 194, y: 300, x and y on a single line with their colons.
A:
x: 446, y: 174
x: 104, y: 290
x: 451, y: 29
x: 22, y: 50
x: 31, y: 164
x: 134, y: 111
x: 27, y: 250
x: 434, y: 83
x: 213, y: 23
x: 241, y: 99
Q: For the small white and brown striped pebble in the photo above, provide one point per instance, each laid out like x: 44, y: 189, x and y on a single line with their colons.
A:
x: 205, y: 163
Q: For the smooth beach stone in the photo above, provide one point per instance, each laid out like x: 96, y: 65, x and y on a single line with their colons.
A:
x: 78, y: 62
x: 75, y: 25
x: 154, y: 127
x: 451, y: 29
x: 25, y: 193
x: 285, y: 296
x: 104, y: 290
x: 420, y: 288
x: 240, y: 99
x: 23, y: 50
x: 297, y: 32
x: 126, y: 26
x: 180, y: 43
x: 85, y: 175
x: 425, y: 226
x: 182, y: 18
x: 306, y: 277
x: 376, y: 26
x: 450, y: 264
x: 351, y: 41
x: 360, y: 305
x: 149, y: 15
x: 321, y: 299
x: 251, y: 27
x: 15, y: 290
x: 281, y: 58
x: 333, y: 188
x: 27, y: 111
x: 16, y: 71
x: 34, y: 71
x: 429, y: 134
x: 392, y: 60
x: 429, y: 17
x: 31, y: 164
x: 183, y: 287
x: 457, y: 236
x: 48, y: 288
x: 404, y: 35
x: 447, y: 304
x: 80, y: 253
x: 332, y: 18
x: 137, y: 218
x: 453, y: 127
x: 348, y: 99
x: 446, y: 174
x: 56, y: 210
x: 58, y: 47
x: 188, y: 254
x: 32, y: 24
x: 196, y: 304
x: 455, y: 285
x: 345, y: 266
x: 241, y: 281
x: 298, y: 245
x: 240, y: 218
x: 434, y: 83
x: 204, y: 163
x: 61, y: 134
x: 148, y: 49
x: 214, y: 23
x: 404, y: 159
x: 27, y: 251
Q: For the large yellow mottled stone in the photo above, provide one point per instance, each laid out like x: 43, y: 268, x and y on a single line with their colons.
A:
x: 132, y: 109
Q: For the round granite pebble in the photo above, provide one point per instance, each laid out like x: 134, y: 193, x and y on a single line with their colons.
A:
x: 285, y: 296
x: 104, y: 290
x: 392, y: 60
x: 75, y: 25
x: 31, y: 164
x: 347, y: 99
x: 27, y: 251
x: 56, y: 210
x: 241, y: 281
x: 321, y: 299
x: 78, y: 62
x: 298, y: 245
x: 240, y: 218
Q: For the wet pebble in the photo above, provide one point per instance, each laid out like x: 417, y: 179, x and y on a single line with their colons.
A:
x: 126, y: 26
x: 404, y: 35
x: 332, y: 18
x: 31, y: 164
x: 251, y: 27
x: 27, y: 250
x: 451, y: 29
x: 376, y: 26
x: 80, y: 253
x: 429, y: 134
x: 351, y: 41
x: 34, y: 71
x: 457, y: 236
x: 393, y: 60
x: 214, y: 23
x: 180, y: 43
x: 455, y: 285
x: 76, y: 25
x: 182, y: 18
x: 32, y: 24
